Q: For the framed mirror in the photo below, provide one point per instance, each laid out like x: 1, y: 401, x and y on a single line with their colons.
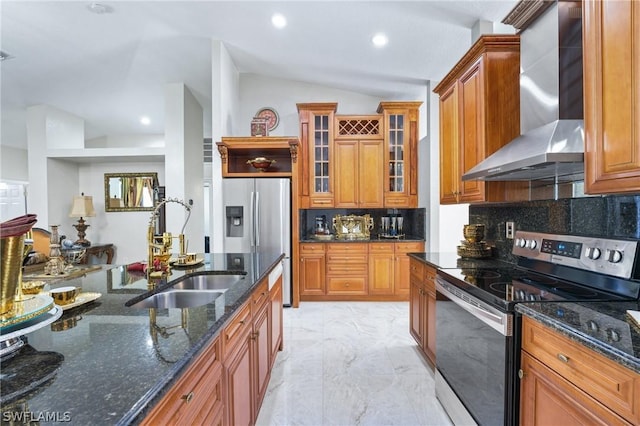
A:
x: 130, y: 192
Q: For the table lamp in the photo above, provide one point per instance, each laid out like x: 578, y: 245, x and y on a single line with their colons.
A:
x: 82, y: 207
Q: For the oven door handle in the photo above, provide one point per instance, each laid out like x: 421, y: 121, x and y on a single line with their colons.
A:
x: 499, y: 322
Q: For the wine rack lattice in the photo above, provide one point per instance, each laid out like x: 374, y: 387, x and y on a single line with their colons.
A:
x: 359, y: 127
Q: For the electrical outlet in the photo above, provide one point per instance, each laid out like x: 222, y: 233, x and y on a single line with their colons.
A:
x: 510, y: 229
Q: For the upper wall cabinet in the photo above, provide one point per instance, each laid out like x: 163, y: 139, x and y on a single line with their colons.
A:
x: 479, y: 113
x: 611, y: 37
x: 400, y: 153
x: 258, y: 156
x: 316, y: 154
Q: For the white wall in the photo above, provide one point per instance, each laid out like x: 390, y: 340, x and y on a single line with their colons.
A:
x: 126, y: 141
x: 126, y: 230
x: 225, y: 88
x: 14, y: 164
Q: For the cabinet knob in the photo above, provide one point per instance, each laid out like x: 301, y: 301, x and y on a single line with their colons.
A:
x: 188, y: 397
x: 563, y: 358
x: 521, y: 374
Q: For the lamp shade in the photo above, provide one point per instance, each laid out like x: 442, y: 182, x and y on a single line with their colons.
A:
x: 82, y: 206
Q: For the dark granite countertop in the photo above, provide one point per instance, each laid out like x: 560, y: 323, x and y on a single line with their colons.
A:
x: 450, y: 260
x: 106, y: 365
x: 570, y: 319
x: 374, y: 239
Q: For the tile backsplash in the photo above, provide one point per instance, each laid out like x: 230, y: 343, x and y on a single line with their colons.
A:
x: 608, y: 216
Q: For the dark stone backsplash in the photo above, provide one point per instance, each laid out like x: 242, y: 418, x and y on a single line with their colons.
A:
x: 610, y: 216
x: 414, y: 222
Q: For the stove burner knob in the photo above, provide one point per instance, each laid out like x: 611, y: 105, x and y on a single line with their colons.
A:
x: 613, y: 335
x: 532, y: 297
x: 521, y: 295
x: 592, y: 326
x: 531, y: 244
x: 521, y: 242
x: 614, y: 256
x: 593, y: 253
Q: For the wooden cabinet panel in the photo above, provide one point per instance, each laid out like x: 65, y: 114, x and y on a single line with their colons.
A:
x: 197, y: 392
x: 237, y: 330
x: 401, y: 268
x: 400, y: 153
x: 238, y: 385
x: 613, y: 385
x: 347, y: 285
x: 276, y: 320
x: 548, y: 399
x: 422, y: 305
x: 381, y: 273
x: 312, y: 269
x: 611, y: 31
x: 261, y: 348
x: 358, y: 178
x: 479, y: 113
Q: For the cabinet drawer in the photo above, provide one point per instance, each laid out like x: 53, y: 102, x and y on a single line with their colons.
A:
x: 347, y: 269
x: 197, y: 391
x: 410, y: 247
x: 347, y: 248
x: 416, y: 268
x: 613, y: 385
x: 381, y: 248
x: 307, y: 248
x: 321, y: 202
x: 346, y: 258
x: 347, y: 285
x: 237, y: 330
x: 260, y: 296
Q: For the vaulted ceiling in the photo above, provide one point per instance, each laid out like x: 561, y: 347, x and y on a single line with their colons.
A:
x: 110, y: 68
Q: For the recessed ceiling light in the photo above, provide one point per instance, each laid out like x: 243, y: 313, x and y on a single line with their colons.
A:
x: 145, y: 120
x: 278, y: 20
x: 379, y: 40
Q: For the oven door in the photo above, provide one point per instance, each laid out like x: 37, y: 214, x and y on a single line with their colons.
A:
x: 474, y: 358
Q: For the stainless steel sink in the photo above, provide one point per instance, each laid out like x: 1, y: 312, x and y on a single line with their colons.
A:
x: 208, y: 282
x: 178, y: 299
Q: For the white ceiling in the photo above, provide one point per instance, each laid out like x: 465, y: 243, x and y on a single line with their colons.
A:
x: 111, y: 68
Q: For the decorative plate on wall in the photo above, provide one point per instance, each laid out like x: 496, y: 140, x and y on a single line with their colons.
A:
x: 271, y: 115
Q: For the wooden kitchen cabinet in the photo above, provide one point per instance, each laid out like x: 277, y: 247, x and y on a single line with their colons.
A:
x: 260, y: 344
x: 347, y: 268
x: 479, y: 113
x: 316, y: 156
x: 389, y: 268
x: 197, y: 397
x: 359, y: 181
x: 567, y: 383
x: 312, y: 269
x: 276, y: 319
x: 236, y: 151
x: 400, y: 153
x: 611, y: 30
x: 422, y: 305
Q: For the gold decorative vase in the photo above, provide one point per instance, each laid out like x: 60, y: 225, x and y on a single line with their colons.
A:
x: 12, y: 253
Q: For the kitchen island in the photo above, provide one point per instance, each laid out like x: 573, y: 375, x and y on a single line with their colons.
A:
x: 107, y: 363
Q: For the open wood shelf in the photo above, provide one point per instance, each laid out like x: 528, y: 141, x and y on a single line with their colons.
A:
x: 236, y: 151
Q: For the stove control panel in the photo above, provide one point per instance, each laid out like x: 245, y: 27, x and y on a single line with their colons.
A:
x: 602, y: 255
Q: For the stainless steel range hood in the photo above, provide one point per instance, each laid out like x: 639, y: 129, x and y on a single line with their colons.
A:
x: 551, y: 108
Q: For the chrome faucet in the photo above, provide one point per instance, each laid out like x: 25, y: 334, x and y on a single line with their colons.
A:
x: 159, y: 247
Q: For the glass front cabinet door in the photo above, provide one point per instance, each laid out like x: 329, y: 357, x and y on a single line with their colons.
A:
x: 316, y: 187
x: 401, y: 153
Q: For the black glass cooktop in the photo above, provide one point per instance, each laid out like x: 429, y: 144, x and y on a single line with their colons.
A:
x: 507, y: 285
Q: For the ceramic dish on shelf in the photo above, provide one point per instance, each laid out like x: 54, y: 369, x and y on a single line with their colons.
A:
x: 81, y: 299
x: 28, y: 309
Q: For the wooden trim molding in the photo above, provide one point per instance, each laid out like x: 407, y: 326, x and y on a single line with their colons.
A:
x: 525, y: 12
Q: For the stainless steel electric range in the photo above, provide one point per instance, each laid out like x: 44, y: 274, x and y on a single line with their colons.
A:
x: 477, y: 328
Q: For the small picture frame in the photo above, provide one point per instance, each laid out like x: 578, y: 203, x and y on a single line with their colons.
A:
x: 259, y: 126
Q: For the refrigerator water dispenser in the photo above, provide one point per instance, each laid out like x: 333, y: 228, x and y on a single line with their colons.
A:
x: 235, y: 224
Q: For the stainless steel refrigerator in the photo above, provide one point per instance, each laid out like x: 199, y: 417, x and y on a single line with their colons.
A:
x: 258, y: 218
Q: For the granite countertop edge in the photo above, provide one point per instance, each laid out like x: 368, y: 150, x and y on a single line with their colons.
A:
x: 148, y: 401
x: 373, y: 239
x: 596, y: 345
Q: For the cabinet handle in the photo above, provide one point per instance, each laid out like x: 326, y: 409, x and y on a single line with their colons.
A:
x: 563, y: 358
x: 346, y: 284
x: 521, y: 374
x: 188, y: 397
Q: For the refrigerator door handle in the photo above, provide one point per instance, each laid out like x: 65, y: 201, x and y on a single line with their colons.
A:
x: 252, y: 212
x: 257, y: 219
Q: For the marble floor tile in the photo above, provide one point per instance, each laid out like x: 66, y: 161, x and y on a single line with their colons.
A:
x: 350, y: 363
